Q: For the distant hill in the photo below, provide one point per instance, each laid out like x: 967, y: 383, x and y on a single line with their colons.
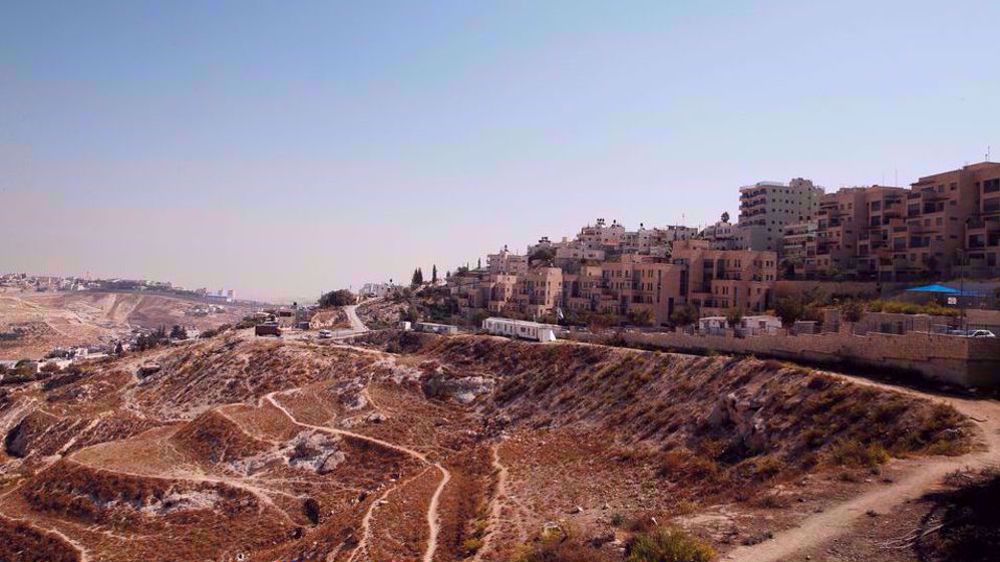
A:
x: 35, y: 323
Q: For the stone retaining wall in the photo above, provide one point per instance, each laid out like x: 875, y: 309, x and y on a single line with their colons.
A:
x: 956, y: 360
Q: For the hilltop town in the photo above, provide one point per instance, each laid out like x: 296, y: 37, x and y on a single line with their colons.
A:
x: 946, y: 226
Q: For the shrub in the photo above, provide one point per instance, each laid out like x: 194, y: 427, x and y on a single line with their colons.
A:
x: 565, y: 551
x: 854, y: 454
x: 897, y: 307
x: 668, y: 545
x: 852, y: 311
x: 768, y: 467
x: 471, y: 546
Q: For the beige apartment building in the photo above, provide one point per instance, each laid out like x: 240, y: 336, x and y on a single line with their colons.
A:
x: 943, y: 225
x: 766, y: 208
x: 505, y: 261
x: 952, y: 219
x: 632, y: 284
x: 715, y: 281
x: 537, y: 293
x: 723, y: 235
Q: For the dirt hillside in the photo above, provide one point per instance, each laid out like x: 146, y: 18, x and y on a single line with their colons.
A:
x: 448, y: 449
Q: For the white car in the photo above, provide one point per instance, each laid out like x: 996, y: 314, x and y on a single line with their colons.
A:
x: 972, y: 333
x: 325, y: 334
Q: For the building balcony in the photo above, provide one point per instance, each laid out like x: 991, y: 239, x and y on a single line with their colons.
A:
x: 933, y: 195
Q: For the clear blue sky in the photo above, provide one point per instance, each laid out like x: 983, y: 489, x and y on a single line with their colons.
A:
x: 284, y: 148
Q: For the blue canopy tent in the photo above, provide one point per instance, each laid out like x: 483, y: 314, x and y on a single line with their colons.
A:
x: 935, y: 289
x: 945, y: 291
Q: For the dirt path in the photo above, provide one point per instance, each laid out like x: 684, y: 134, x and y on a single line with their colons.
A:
x: 496, y: 504
x: 432, y: 514
x: 432, y: 507
x: 84, y: 554
x: 923, y: 476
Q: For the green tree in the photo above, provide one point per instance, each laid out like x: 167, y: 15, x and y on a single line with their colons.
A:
x: 434, y: 273
x: 545, y: 255
x: 178, y: 333
x: 340, y: 297
x: 418, y: 278
x: 725, y: 216
x: 734, y: 316
x: 684, y: 315
x: 789, y: 309
x: 642, y: 317
x: 479, y: 263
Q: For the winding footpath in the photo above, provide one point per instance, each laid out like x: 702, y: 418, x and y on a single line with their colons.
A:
x: 921, y: 478
x: 496, y: 504
x: 433, y: 522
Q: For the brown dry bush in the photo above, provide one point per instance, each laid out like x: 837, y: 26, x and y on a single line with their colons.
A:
x: 20, y: 542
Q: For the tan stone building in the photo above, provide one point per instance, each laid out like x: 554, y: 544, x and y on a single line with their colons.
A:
x: 718, y: 280
x: 505, y: 261
x: 945, y: 224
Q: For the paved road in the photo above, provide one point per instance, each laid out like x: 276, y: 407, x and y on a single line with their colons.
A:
x: 352, y: 315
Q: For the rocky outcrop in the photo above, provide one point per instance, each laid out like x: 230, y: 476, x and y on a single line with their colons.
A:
x: 462, y: 389
x: 743, y: 413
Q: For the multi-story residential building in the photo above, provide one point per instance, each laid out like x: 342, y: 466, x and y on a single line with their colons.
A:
x: 944, y: 224
x: 952, y: 223
x: 628, y: 285
x: 722, y: 235
x: 983, y: 232
x: 644, y: 284
x: 718, y: 280
x: 538, y: 292
x: 799, y: 248
x: 844, y: 227
x: 655, y: 241
x: 766, y: 208
x: 506, y: 262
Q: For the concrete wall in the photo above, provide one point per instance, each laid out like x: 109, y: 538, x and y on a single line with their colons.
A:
x: 956, y: 360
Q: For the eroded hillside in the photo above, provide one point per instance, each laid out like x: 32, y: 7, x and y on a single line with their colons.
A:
x: 443, y: 449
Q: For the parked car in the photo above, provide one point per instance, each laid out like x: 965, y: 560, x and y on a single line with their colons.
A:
x: 325, y: 334
x: 972, y: 333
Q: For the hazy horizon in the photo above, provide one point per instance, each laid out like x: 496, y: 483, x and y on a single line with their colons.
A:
x: 283, y: 150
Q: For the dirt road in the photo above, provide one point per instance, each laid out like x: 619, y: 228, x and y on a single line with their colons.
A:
x: 352, y: 316
x: 922, y: 477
